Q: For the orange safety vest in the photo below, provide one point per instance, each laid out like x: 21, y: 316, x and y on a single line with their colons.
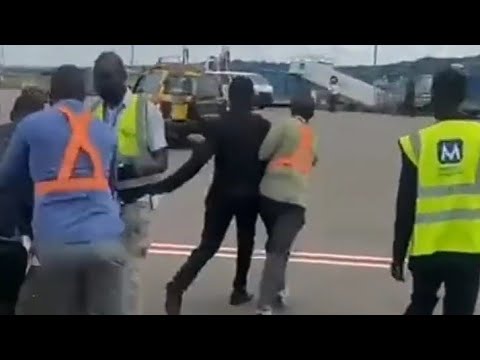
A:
x: 79, y: 140
x: 303, y: 157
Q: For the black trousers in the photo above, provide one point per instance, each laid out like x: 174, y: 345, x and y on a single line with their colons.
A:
x: 461, y: 282
x: 13, y: 262
x: 219, y: 213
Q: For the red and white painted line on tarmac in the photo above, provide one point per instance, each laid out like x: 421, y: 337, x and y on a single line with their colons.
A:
x: 295, y: 257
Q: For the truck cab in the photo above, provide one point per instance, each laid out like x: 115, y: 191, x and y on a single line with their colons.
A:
x: 185, y: 95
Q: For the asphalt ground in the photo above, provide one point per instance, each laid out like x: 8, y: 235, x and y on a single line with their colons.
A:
x: 340, y: 260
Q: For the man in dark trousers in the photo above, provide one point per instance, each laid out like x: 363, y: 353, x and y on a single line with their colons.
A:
x: 234, y: 142
x: 15, y: 210
x: 438, y: 202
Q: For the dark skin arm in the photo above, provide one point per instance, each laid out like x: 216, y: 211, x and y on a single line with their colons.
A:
x: 405, y: 216
x: 200, y: 156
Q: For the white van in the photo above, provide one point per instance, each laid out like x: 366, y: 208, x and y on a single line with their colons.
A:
x: 261, y: 86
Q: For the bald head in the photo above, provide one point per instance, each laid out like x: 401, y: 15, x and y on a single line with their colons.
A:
x: 110, y: 77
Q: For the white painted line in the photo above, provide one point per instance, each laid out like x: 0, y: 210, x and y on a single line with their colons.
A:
x: 262, y: 257
x: 313, y: 255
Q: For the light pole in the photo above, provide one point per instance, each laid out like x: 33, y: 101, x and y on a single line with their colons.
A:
x: 2, y: 62
x: 376, y: 92
x: 132, y: 55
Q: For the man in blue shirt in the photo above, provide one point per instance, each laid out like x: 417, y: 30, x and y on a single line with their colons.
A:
x: 76, y: 220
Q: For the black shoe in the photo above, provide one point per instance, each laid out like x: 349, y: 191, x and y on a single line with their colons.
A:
x: 240, y: 297
x: 173, y: 301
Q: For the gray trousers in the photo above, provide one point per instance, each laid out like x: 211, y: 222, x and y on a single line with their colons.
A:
x: 136, y: 217
x: 283, y: 222
x: 34, y: 299
x: 77, y: 280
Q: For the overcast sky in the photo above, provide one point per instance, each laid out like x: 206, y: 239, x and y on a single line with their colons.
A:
x: 83, y: 55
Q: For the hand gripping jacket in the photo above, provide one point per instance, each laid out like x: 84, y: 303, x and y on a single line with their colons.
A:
x: 447, y: 157
x: 79, y: 141
x: 133, y: 148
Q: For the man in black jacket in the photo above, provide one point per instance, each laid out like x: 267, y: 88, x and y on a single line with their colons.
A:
x: 15, y: 210
x: 234, y: 142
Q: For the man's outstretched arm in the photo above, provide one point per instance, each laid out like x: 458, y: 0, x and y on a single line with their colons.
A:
x: 201, y: 155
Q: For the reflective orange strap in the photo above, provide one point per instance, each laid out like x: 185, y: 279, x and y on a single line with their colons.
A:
x: 302, y: 158
x: 79, y: 141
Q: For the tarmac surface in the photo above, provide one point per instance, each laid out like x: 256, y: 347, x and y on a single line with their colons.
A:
x: 341, y: 258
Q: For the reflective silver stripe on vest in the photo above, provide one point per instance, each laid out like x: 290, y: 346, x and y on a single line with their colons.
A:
x: 429, y: 192
x: 448, y: 216
x: 440, y: 191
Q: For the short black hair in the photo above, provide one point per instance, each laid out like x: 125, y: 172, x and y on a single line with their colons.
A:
x: 32, y: 99
x: 68, y: 82
x: 240, y: 92
x: 449, y: 86
x: 113, y: 60
x: 303, y: 104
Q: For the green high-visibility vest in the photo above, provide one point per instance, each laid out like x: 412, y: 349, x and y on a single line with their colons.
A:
x: 447, y: 156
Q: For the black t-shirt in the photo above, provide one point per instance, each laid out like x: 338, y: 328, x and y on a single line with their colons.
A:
x: 234, y: 141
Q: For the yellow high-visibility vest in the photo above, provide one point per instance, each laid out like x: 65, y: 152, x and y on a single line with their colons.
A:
x: 131, y: 126
x: 132, y: 142
x: 447, y: 156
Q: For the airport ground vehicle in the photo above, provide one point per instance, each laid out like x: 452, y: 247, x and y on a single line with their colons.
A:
x: 186, y: 96
x: 263, y: 89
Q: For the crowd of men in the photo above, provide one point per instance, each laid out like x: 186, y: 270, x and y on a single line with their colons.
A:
x: 74, y: 179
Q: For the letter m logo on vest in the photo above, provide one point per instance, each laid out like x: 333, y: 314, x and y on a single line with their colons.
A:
x: 450, y: 151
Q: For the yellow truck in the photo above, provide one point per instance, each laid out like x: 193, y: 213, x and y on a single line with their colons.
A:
x: 186, y: 96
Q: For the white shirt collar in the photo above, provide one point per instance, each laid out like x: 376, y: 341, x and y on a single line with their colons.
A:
x: 127, y: 98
